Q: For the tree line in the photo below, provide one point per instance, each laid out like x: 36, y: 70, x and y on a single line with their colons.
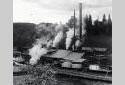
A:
x: 96, y: 27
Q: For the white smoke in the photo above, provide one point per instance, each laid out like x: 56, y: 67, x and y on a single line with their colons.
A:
x: 69, y: 37
x: 36, y: 52
x: 61, y: 30
x: 43, y: 44
x: 77, y: 43
x: 57, y: 39
x: 40, y: 48
x: 49, y: 44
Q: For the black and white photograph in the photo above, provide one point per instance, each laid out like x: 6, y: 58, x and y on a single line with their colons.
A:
x: 62, y: 42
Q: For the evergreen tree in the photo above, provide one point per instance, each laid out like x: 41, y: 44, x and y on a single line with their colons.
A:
x: 90, y: 24
x: 109, y: 19
x: 104, y: 26
x: 90, y: 20
x: 109, y: 25
x: 96, y: 27
x: 104, y: 18
x: 86, y: 19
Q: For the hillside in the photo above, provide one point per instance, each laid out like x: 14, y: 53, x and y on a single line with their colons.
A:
x: 23, y: 34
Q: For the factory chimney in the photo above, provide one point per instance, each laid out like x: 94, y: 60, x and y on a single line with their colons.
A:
x: 74, y: 29
x: 80, y: 23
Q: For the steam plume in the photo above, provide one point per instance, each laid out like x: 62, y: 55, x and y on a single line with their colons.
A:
x: 70, y: 35
x: 49, y: 44
x: 44, y: 43
x: 36, y: 52
x: 77, y: 43
x: 57, y: 39
x: 61, y: 31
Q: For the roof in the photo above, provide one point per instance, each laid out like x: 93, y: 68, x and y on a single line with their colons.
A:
x: 18, y: 59
x: 87, y: 48
x: 65, y: 54
x: 94, y: 48
x: 59, y: 54
x: 100, y: 49
x: 16, y: 52
x: 78, y: 60
x: 74, y: 56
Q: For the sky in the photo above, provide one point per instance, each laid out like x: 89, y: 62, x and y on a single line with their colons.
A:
x: 56, y: 11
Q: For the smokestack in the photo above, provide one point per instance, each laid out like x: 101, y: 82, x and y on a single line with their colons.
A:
x: 74, y: 22
x: 74, y: 27
x: 80, y: 22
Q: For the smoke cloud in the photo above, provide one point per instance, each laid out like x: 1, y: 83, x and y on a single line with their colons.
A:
x: 53, y: 36
x: 45, y: 42
x: 57, y: 39
x: 36, y: 52
x: 70, y: 35
x: 61, y: 32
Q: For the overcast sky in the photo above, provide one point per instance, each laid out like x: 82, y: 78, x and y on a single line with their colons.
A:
x: 56, y: 11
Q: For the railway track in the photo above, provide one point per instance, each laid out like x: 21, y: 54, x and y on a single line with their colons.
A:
x: 84, y: 75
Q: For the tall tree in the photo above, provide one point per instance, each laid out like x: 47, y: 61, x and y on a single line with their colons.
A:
x: 109, y: 19
x: 104, y: 18
x: 90, y: 20
x: 109, y: 25
x: 96, y: 27
x: 86, y: 20
x: 90, y: 23
x: 104, y: 26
